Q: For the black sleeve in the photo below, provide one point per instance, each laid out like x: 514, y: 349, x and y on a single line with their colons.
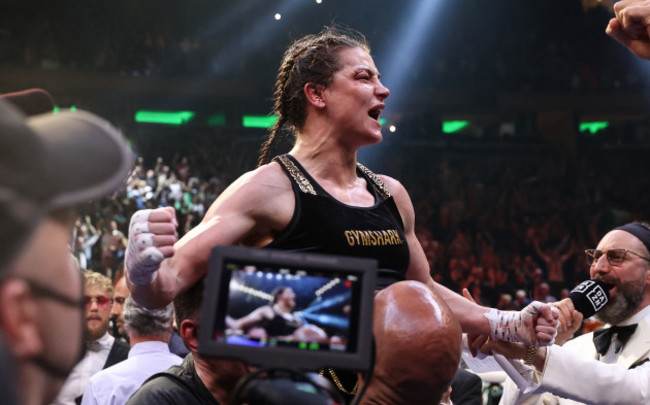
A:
x: 466, y: 388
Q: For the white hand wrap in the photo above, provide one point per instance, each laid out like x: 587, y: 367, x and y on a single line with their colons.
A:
x: 515, y: 326
x: 142, y: 257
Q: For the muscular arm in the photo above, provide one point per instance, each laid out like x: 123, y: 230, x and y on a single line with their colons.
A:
x: 469, y: 314
x: 245, y: 214
x: 258, y: 315
x: 533, y: 328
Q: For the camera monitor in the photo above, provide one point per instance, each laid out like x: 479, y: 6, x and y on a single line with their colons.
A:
x: 274, y: 308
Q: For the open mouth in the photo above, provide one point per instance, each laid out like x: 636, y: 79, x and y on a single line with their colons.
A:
x: 375, y: 112
x: 610, y: 285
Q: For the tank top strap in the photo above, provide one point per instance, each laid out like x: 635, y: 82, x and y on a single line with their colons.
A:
x: 375, y: 180
x: 296, y: 174
x: 306, y: 186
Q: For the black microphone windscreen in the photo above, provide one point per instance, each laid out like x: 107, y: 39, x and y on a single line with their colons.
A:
x: 590, y: 296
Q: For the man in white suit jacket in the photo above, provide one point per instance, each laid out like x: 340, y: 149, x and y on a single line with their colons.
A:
x: 618, y: 372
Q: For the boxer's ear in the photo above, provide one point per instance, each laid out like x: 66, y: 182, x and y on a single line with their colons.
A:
x: 314, y: 94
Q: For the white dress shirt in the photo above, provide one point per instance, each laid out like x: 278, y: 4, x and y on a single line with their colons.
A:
x: 92, y: 362
x: 116, y: 384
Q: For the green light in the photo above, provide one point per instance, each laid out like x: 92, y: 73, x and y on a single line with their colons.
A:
x: 56, y: 109
x: 382, y: 121
x: 310, y: 389
x: 449, y: 127
x: 594, y: 126
x: 302, y: 345
x: 164, y: 117
x: 217, y: 119
x: 258, y: 121
x: 73, y: 108
x: 314, y: 346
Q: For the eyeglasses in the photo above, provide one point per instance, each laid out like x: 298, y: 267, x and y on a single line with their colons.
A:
x: 615, y: 257
x: 102, y: 302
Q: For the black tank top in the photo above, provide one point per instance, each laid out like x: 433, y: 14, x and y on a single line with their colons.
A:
x: 322, y: 224
x: 279, y: 325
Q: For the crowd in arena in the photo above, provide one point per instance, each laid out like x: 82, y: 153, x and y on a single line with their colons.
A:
x: 502, y: 211
x: 509, y: 228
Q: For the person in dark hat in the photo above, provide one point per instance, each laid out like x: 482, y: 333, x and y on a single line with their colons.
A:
x: 49, y: 163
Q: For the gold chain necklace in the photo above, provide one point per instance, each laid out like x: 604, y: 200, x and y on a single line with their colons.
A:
x: 338, y: 384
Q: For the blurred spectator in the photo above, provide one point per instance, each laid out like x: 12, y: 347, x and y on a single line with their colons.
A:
x: 85, y: 237
x: 41, y: 311
x: 149, y: 332
x: 113, y: 246
x: 542, y: 293
x: 117, y: 309
x: 198, y: 380
x: 103, y: 350
x: 521, y: 300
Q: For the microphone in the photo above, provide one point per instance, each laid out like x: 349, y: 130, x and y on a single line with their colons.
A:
x: 590, y: 296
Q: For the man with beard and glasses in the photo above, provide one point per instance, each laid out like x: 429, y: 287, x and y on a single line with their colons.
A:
x: 48, y: 164
x: 609, y: 365
x: 103, y: 349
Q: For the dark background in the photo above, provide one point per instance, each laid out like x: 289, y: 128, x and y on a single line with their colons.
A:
x: 525, y: 74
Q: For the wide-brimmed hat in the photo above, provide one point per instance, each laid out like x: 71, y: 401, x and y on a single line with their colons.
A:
x: 50, y: 161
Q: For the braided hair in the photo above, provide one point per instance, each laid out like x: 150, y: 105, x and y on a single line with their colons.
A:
x: 311, y: 59
x: 275, y: 294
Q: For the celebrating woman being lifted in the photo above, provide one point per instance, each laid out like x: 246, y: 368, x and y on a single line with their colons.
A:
x: 316, y: 198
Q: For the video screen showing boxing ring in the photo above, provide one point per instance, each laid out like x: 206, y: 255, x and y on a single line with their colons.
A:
x: 284, y: 307
x: 274, y: 308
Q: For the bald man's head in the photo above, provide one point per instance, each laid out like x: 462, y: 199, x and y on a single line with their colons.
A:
x: 418, y: 343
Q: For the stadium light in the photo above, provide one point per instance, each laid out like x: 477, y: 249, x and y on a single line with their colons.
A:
x: 164, y: 117
x: 258, y: 121
x: 449, y: 127
x: 593, y: 127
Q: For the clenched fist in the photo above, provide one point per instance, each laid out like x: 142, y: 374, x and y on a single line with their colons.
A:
x: 152, y: 234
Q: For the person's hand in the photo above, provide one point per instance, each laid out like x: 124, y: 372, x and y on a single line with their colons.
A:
x: 446, y: 397
x: 152, y: 234
x: 631, y: 27
x: 471, y: 337
x: 535, y: 325
x: 490, y: 346
x: 570, y: 320
x: 546, y: 322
